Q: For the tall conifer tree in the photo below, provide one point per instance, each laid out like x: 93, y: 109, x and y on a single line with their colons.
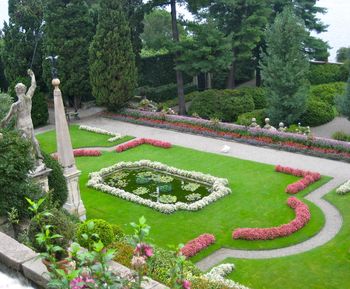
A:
x: 285, y: 67
x: 112, y: 60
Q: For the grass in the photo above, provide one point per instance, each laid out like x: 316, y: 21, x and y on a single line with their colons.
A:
x: 80, y: 139
x: 326, y: 267
x: 254, y: 185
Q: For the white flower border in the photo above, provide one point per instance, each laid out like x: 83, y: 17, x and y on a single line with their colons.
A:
x: 219, y: 186
x: 344, y: 188
x: 218, y: 274
x: 115, y: 136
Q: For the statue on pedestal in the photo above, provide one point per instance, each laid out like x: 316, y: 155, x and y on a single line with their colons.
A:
x: 21, y: 110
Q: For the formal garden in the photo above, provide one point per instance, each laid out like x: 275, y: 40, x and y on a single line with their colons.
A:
x: 141, y: 149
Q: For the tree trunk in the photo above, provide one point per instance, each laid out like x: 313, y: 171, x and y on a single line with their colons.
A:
x: 208, y: 80
x: 179, y: 77
x: 258, y: 76
x: 231, y: 81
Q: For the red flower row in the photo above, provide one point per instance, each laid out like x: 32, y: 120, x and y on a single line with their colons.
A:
x: 82, y: 153
x: 302, y: 218
x: 140, y: 141
x: 308, y: 178
x: 196, y: 245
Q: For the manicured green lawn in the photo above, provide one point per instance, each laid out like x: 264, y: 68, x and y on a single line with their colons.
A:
x: 80, y: 139
x: 258, y: 199
x: 327, y: 267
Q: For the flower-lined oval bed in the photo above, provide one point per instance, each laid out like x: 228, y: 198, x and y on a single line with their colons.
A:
x: 218, y: 186
x: 308, y: 178
x: 141, y: 141
x: 301, y: 219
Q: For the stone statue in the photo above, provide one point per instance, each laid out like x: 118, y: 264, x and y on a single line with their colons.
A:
x: 268, y: 125
x: 254, y: 123
x: 21, y: 110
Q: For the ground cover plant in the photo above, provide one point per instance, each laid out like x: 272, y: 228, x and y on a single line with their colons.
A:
x: 80, y: 139
x: 323, y: 267
x: 253, y: 185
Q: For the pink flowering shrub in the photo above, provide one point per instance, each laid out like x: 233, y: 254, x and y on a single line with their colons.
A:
x: 302, y: 217
x: 308, y: 178
x: 196, y: 245
x: 86, y: 153
x: 140, y: 141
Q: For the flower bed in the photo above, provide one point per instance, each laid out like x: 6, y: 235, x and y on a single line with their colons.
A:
x: 141, y: 141
x: 198, y: 244
x: 218, y: 186
x: 218, y: 274
x: 315, y: 146
x: 115, y: 136
x: 301, y: 219
x: 308, y: 178
x: 344, y: 188
x: 82, y: 153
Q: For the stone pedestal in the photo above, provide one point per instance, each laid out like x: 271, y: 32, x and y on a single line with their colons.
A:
x: 74, y: 204
x: 41, y: 178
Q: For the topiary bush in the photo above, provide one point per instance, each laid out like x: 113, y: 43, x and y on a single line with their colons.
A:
x: 326, y: 73
x: 61, y: 224
x: 317, y: 113
x: 328, y: 92
x: 258, y: 94
x: 118, y: 232
x: 246, y: 118
x: 94, y: 230
x: 225, y: 104
x: 15, y: 184
x: 57, y: 181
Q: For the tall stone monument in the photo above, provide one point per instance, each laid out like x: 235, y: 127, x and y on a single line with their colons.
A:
x: 74, y: 204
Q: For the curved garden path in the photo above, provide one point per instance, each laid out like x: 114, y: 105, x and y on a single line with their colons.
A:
x: 338, y: 170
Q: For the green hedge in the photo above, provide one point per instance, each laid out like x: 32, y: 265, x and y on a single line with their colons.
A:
x: 225, y: 104
x: 165, y: 92
x: 317, y: 113
x: 328, y: 92
x: 57, y: 182
x: 326, y: 73
x: 258, y: 94
x: 246, y: 118
x: 95, y: 230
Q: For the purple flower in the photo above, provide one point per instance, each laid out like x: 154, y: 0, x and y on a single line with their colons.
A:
x: 82, y: 283
x: 186, y: 284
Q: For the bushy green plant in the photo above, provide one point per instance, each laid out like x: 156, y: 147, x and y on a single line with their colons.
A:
x: 6, y: 102
x: 326, y: 73
x: 57, y: 182
x: 117, y: 232
x: 60, y: 223
x: 222, y: 104
x: 317, y: 113
x: 15, y: 184
x: 340, y: 135
x: 93, y: 230
x: 124, y: 252
x: 328, y: 92
x: 164, y: 92
x: 258, y: 94
x: 258, y: 114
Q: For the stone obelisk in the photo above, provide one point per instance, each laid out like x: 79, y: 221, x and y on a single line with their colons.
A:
x: 74, y: 204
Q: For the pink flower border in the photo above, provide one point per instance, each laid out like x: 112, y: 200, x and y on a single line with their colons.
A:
x: 303, y: 216
x: 82, y: 153
x: 308, y: 178
x: 198, y: 244
x: 134, y: 143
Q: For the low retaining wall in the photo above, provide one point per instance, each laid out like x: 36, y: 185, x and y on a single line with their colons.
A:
x: 19, y: 257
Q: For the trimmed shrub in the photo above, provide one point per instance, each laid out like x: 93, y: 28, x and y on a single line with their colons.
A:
x: 57, y: 182
x: 61, y: 224
x: 317, y: 113
x: 326, y: 73
x: 258, y: 94
x: 342, y: 136
x: 225, y: 104
x: 246, y: 118
x: 118, y: 232
x: 164, y: 92
x: 328, y: 92
x: 95, y: 230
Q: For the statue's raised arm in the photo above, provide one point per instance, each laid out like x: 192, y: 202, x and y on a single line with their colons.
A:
x: 32, y: 87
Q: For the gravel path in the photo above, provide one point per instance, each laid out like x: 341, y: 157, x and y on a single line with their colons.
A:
x: 338, y: 170
x: 327, y: 130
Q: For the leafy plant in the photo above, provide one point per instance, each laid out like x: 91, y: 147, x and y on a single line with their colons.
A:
x: 167, y: 199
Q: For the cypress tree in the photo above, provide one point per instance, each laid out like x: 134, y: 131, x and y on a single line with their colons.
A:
x: 285, y: 67
x: 68, y: 33
x: 112, y: 61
